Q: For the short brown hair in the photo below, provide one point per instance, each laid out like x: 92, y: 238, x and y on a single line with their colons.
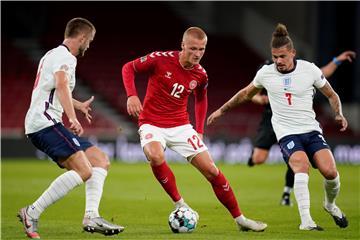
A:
x: 195, y: 32
x: 280, y: 38
x: 78, y: 25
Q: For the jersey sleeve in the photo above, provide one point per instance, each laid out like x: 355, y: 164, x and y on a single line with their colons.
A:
x: 257, y: 81
x: 143, y: 64
x: 64, y: 63
x: 319, y: 77
x: 146, y: 63
x: 201, y: 105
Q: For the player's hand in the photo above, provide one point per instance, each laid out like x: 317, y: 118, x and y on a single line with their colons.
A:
x: 347, y: 55
x: 341, y: 120
x: 76, y: 127
x: 201, y: 136
x: 134, y: 106
x: 85, y: 109
x: 214, y: 117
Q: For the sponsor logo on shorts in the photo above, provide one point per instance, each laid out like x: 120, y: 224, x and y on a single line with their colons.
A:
x: 290, y: 145
x: 76, y: 142
x: 148, y: 136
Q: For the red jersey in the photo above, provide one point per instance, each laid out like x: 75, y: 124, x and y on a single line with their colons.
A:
x: 169, y: 86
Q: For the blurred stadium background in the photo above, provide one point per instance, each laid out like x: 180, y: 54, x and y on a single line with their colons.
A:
x: 239, y: 35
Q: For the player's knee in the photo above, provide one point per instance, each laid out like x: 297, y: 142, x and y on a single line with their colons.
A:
x: 104, y: 159
x: 258, y: 159
x: 331, y: 173
x: 155, y: 157
x: 85, y: 173
x: 100, y: 159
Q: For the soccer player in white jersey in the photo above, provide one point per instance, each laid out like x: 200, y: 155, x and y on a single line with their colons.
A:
x: 52, y: 96
x: 290, y: 85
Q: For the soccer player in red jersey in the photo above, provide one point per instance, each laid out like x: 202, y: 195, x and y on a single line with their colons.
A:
x: 164, y: 120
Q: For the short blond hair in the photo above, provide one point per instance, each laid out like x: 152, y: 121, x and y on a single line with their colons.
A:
x: 195, y: 32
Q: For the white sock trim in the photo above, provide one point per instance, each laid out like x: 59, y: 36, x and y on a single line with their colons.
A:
x: 61, y: 186
x: 302, y: 196
x: 93, y: 191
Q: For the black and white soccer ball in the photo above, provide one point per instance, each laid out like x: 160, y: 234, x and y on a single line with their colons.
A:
x: 183, y: 220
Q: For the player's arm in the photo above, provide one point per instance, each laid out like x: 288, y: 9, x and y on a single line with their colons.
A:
x: 65, y: 98
x: 244, y: 95
x: 84, y: 107
x: 335, y: 104
x: 331, y: 67
x: 201, y: 106
x: 260, y: 99
x: 142, y: 65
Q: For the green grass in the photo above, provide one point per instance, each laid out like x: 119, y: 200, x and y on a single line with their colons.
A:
x: 132, y: 197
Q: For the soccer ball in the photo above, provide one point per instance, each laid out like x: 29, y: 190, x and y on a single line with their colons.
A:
x: 182, y: 220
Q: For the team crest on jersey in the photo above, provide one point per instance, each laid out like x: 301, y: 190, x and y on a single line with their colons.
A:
x: 290, y: 145
x: 168, y: 75
x: 193, y: 84
x: 143, y: 59
x: 64, y: 67
x: 287, y: 83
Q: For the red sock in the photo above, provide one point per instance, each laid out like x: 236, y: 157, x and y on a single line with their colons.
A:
x: 225, y: 194
x: 167, y: 180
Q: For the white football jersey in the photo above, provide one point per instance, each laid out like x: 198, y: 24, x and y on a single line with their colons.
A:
x: 291, y: 97
x: 45, y: 108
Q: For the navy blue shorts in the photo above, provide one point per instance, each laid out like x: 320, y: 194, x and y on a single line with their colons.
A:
x: 310, y: 143
x: 58, y: 142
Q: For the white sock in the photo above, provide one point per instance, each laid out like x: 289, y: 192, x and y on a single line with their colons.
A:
x: 332, y: 189
x: 240, y: 219
x: 302, y: 196
x: 287, y: 189
x: 93, y: 191
x: 57, y: 190
x: 180, y: 203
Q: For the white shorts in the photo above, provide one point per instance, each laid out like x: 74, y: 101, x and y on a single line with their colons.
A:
x: 182, y: 139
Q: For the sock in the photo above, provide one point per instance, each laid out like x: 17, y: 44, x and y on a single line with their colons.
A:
x: 240, y: 219
x: 167, y: 180
x: 181, y: 203
x: 332, y: 189
x: 93, y: 191
x: 287, y: 190
x: 57, y: 190
x: 225, y: 194
x: 289, y: 177
x: 302, y: 195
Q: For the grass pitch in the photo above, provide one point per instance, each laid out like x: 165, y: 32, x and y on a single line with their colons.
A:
x: 132, y: 197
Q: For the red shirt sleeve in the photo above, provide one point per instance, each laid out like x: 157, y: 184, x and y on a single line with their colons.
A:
x: 141, y: 65
x: 201, y: 105
x: 128, y: 76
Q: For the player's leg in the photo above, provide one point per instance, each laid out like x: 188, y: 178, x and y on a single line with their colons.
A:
x: 92, y: 221
x: 223, y: 191
x: 289, y: 184
x: 62, y: 146
x: 294, y: 154
x: 265, y: 138
x: 154, y: 153
x: 326, y: 164
x: 259, y: 156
